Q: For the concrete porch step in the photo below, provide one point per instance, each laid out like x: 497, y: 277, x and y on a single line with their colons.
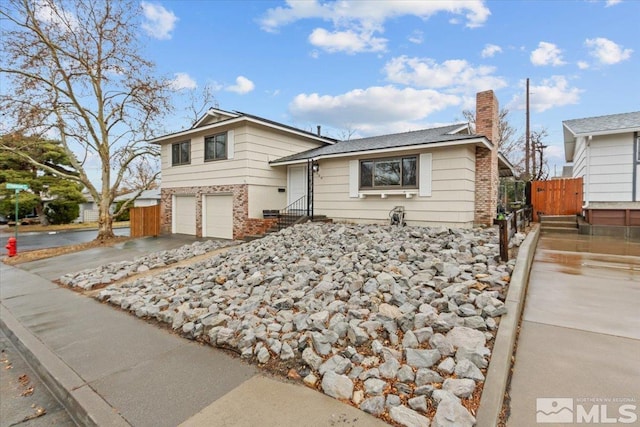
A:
x: 559, y: 230
x: 558, y: 218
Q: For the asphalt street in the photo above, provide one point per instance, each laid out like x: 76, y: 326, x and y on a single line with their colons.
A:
x: 53, y: 239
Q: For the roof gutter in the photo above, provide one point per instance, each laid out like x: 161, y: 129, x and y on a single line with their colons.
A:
x: 482, y: 140
x: 235, y: 120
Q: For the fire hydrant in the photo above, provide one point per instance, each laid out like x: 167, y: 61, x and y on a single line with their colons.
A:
x: 12, y: 246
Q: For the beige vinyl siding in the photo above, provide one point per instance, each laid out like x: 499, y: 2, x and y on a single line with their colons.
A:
x: 452, y: 192
x: 253, y: 147
x: 265, y: 197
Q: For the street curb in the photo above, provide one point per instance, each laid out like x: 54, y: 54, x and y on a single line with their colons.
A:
x: 84, y: 405
x: 498, y: 373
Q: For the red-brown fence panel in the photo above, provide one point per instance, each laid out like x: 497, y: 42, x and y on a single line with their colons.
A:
x: 144, y: 221
x: 556, y: 197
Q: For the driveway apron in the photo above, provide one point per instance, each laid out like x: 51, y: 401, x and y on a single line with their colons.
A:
x: 579, y: 342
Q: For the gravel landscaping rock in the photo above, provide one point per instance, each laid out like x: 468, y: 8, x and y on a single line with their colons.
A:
x: 378, y: 307
x: 108, y: 273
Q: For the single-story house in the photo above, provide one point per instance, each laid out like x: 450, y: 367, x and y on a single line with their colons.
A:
x: 605, y: 153
x: 146, y: 198
x: 89, y: 209
x: 219, y: 176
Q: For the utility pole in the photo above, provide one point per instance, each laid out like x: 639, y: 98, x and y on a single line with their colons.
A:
x: 527, y: 138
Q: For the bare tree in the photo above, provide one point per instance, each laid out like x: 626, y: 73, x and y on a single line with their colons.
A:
x: 199, y: 101
x: 506, y: 133
x: 73, y: 71
x: 540, y: 169
x: 510, y: 146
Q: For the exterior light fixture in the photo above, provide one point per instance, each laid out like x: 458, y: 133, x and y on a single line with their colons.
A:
x: 315, y: 167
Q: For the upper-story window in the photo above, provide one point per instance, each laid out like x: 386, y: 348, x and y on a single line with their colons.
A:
x: 215, y: 147
x: 390, y: 173
x: 181, y: 153
x: 638, y: 148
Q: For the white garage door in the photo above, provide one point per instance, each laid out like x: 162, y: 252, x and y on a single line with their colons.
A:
x: 184, y: 215
x: 217, y: 216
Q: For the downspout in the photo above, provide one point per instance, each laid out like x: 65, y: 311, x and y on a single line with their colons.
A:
x: 587, y: 174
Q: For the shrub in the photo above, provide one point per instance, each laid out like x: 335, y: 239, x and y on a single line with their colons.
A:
x: 62, y: 212
x: 124, y: 216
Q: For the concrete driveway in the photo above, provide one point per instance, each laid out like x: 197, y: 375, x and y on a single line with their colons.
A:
x: 579, y: 344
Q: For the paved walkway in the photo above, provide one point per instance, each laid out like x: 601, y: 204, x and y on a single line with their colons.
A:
x: 580, y: 333
x: 114, y: 369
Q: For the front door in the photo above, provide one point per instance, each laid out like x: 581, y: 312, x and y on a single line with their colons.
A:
x: 297, y: 183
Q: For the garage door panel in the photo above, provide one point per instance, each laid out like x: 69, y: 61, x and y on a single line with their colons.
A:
x: 218, y: 212
x: 185, y: 215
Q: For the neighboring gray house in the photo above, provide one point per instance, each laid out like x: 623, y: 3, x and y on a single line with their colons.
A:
x: 146, y: 198
x: 605, y: 152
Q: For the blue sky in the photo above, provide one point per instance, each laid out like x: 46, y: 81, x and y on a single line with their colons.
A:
x: 385, y: 66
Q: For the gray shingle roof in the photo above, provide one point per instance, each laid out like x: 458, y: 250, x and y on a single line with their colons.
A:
x: 613, y: 122
x: 406, y: 139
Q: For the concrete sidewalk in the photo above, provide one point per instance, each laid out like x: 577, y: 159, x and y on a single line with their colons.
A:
x: 580, y: 333
x: 109, y: 368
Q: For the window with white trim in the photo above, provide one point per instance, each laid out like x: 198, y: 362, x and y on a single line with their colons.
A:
x: 389, y: 173
x: 181, y: 153
x: 215, y: 147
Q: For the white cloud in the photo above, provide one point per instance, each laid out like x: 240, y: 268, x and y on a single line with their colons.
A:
x: 417, y: 37
x: 381, y: 108
x: 183, y: 81
x: 606, y: 51
x: 612, y: 2
x: 56, y: 15
x: 547, y: 54
x: 454, y: 75
x: 158, y: 21
x: 346, y: 41
x: 355, y: 22
x: 243, y: 85
x: 583, y: 65
x: 550, y: 93
x: 490, y: 50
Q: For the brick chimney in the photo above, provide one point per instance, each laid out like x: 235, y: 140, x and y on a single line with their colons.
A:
x: 486, y: 186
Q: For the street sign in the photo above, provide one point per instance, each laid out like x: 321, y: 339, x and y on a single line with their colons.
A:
x: 11, y: 186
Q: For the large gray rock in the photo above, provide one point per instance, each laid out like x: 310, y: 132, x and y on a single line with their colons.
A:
x: 408, y: 417
x: 450, y: 412
x: 311, y: 358
x: 427, y: 376
x: 461, y: 387
x: 338, y: 386
x: 374, y: 386
x: 461, y: 336
x: 373, y: 405
x: 389, y: 311
x: 476, y: 355
x: 466, y: 369
x: 337, y: 364
x: 422, y: 358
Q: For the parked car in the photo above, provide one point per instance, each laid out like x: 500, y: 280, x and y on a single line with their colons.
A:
x: 3, y: 220
x: 29, y: 219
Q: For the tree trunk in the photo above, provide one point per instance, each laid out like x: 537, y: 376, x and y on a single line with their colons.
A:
x: 105, y: 223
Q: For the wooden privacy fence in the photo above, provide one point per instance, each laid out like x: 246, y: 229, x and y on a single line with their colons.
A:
x: 556, y: 197
x: 144, y: 221
x: 509, y: 226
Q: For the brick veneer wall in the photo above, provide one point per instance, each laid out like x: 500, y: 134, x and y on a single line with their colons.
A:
x: 486, y: 185
x: 242, y: 224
